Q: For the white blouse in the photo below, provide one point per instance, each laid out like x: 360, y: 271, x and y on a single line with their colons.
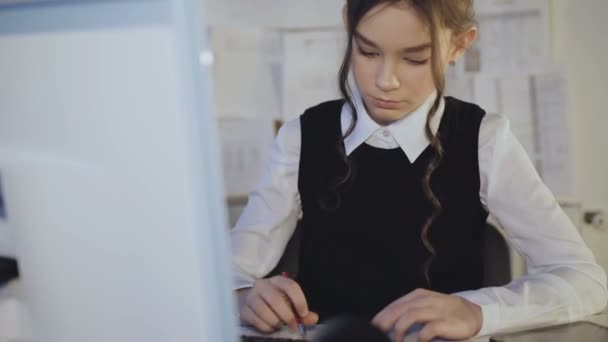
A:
x: 563, y: 281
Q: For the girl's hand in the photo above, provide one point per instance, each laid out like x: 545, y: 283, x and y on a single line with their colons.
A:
x: 273, y: 302
x: 445, y: 316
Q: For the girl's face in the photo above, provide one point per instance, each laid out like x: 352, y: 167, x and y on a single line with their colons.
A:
x: 391, y: 61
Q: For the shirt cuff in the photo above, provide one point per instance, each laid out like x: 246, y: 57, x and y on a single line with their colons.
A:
x: 490, y: 312
x: 240, y: 281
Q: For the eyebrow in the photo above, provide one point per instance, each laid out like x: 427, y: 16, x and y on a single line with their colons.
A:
x: 411, y: 49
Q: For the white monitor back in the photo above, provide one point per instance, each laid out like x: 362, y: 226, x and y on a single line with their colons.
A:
x: 110, y: 172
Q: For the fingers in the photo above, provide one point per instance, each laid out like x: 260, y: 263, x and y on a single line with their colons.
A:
x: 249, y: 317
x: 274, y: 302
x: 293, y: 292
x: 387, y: 318
x: 264, y: 312
x: 310, y: 319
x: 432, y: 330
x: 411, y: 316
x: 280, y: 305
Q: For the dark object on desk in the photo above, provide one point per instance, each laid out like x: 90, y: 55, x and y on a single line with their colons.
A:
x: 350, y: 329
x: 572, y: 332
x: 267, y: 339
x: 8, y: 270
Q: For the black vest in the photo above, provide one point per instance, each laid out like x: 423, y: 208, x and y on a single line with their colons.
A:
x: 361, y: 244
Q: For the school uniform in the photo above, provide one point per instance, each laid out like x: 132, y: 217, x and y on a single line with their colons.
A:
x: 361, y: 247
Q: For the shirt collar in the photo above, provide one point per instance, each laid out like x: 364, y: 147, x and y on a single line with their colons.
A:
x: 409, y: 132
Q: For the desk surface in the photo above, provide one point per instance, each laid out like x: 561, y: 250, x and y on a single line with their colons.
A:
x: 601, y: 319
x: 10, y: 305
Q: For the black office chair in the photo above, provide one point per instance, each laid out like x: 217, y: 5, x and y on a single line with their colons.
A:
x: 497, y: 259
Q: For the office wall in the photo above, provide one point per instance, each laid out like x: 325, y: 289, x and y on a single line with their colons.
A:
x: 294, y: 14
x: 579, y: 43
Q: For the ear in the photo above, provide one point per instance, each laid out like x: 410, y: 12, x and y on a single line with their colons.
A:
x: 462, y: 42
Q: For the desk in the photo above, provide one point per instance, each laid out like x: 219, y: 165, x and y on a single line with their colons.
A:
x: 13, y: 329
x: 601, y: 319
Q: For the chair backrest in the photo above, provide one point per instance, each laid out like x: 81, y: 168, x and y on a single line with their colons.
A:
x: 496, y: 258
x: 289, y: 261
x: 496, y: 255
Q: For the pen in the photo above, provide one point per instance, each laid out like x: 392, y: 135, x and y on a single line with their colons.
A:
x: 301, y: 327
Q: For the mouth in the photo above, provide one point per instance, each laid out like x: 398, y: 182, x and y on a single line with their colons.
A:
x: 386, y: 103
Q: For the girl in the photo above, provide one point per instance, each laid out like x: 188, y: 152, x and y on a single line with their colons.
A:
x: 393, y: 185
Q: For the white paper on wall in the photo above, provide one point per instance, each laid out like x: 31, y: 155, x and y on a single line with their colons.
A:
x: 514, y: 35
x: 310, y: 70
x: 246, y: 68
x: 244, y: 146
x: 515, y: 96
x: 552, y: 107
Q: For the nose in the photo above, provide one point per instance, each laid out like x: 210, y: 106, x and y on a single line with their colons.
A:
x: 386, y: 79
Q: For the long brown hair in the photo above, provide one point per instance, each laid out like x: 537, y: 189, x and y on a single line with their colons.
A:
x: 454, y: 15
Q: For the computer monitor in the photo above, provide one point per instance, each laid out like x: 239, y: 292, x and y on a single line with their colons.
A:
x: 6, y: 240
x: 110, y: 172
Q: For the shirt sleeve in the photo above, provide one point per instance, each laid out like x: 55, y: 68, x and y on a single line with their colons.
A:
x: 269, y: 219
x: 563, y: 281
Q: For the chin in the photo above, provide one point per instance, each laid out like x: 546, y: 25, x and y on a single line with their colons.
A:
x: 386, y: 116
